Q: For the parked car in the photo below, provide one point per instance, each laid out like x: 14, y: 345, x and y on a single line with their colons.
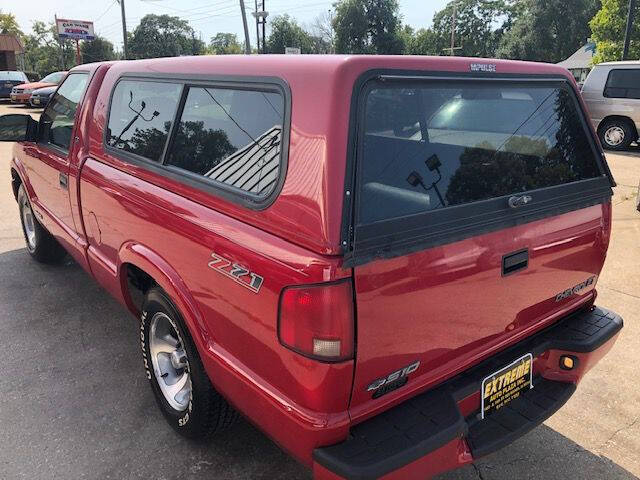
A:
x: 22, y: 93
x: 612, y: 94
x: 386, y: 295
x: 41, y: 96
x: 8, y: 80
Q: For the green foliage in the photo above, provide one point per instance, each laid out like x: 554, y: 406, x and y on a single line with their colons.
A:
x: 548, y: 31
x: 368, y: 26
x: 8, y: 24
x: 163, y: 36
x: 225, y: 44
x: 476, y: 22
x: 424, y: 42
x: 285, y: 32
x: 97, y: 50
x: 42, y: 52
x: 608, y: 26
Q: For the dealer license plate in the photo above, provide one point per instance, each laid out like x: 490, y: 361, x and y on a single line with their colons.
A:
x: 505, y: 385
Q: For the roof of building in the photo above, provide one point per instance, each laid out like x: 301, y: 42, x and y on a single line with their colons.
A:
x: 10, y: 43
x: 582, y: 58
x: 253, y: 168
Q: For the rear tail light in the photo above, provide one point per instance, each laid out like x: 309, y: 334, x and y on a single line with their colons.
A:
x: 318, y: 321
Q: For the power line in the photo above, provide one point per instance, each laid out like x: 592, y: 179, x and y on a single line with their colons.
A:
x: 105, y: 12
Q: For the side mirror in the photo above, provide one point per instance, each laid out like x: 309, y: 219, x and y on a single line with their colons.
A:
x: 17, y: 127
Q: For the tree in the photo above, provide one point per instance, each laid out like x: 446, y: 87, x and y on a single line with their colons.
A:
x: 424, y: 42
x: 548, y: 31
x: 322, y: 32
x: 479, y: 25
x: 285, y: 32
x: 97, y: 50
x: 608, y: 26
x: 163, y: 36
x: 43, y: 54
x: 368, y: 26
x: 225, y: 44
x: 8, y: 24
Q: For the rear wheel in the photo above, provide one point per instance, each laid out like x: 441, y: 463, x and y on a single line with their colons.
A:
x: 616, y: 134
x: 40, y: 244
x: 177, y: 377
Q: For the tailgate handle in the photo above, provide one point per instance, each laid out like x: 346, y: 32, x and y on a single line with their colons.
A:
x: 514, y: 262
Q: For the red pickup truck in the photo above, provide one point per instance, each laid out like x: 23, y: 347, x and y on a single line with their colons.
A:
x: 386, y: 263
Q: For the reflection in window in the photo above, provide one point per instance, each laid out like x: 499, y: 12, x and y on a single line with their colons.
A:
x: 56, y: 123
x: 449, y: 144
x: 231, y: 136
x: 141, y: 116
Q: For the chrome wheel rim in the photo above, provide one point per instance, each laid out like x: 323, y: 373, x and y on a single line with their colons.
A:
x: 170, y: 363
x: 28, y: 222
x: 614, y: 136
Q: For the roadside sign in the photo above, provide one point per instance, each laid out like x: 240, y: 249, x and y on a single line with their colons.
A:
x: 75, y: 29
x: 291, y: 50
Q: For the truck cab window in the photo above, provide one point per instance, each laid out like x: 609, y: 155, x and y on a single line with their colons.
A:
x: 56, y: 123
x: 231, y: 137
x: 141, y: 115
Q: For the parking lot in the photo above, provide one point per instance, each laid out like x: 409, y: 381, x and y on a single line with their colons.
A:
x: 76, y: 403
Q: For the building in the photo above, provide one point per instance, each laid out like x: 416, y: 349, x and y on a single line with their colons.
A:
x: 579, y: 64
x: 11, y: 52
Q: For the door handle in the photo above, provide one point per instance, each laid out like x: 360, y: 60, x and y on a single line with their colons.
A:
x: 64, y: 180
x: 514, y: 262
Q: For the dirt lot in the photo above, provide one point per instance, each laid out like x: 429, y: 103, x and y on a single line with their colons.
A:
x: 75, y: 403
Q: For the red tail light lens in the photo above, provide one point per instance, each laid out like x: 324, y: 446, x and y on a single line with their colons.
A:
x: 317, y: 321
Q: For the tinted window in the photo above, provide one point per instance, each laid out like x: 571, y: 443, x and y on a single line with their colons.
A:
x: 448, y: 144
x: 56, y: 123
x: 231, y: 136
x: 141, y: 115
x: 623, y: 84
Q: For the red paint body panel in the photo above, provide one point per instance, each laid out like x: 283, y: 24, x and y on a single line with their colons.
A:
x: 446, y: 306
x: 407, y: 311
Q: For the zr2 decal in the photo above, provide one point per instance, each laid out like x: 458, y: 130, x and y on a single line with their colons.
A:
x: 236, y: 272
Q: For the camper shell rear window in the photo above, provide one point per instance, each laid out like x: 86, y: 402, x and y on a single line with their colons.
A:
x: 439, y: 158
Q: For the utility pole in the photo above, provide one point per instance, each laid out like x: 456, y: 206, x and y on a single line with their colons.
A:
x: 255, y: 14
x: 261, y: 20
x: 124, y: 30
x: 627, y: 34
x: 453, y: 47
x: 264, y: 28
x: 453, y: 28
x: 247, y: 44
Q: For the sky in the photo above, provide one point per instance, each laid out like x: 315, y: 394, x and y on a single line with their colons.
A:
x: 206, y: 17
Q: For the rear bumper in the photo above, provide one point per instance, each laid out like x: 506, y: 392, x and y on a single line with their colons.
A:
x: 439, y: 430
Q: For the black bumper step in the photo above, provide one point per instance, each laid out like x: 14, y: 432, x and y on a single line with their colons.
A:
x: 429, y: 421
x: 518, y: 417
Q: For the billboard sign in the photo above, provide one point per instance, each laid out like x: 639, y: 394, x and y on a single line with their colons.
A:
x: 75, y: 29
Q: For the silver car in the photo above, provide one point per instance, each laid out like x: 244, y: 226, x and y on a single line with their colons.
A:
x: 612, y: 94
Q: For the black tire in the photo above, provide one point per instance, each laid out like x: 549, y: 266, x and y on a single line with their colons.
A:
x: 207, y: 412
x: 43, y: 247
x: 616, y: 134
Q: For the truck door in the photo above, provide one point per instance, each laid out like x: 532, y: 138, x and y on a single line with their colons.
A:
x: 47, y: 161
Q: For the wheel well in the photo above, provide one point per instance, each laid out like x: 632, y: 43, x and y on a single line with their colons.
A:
x: 138, y: 283
x: 16, y: 181
x: 619, y: 118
